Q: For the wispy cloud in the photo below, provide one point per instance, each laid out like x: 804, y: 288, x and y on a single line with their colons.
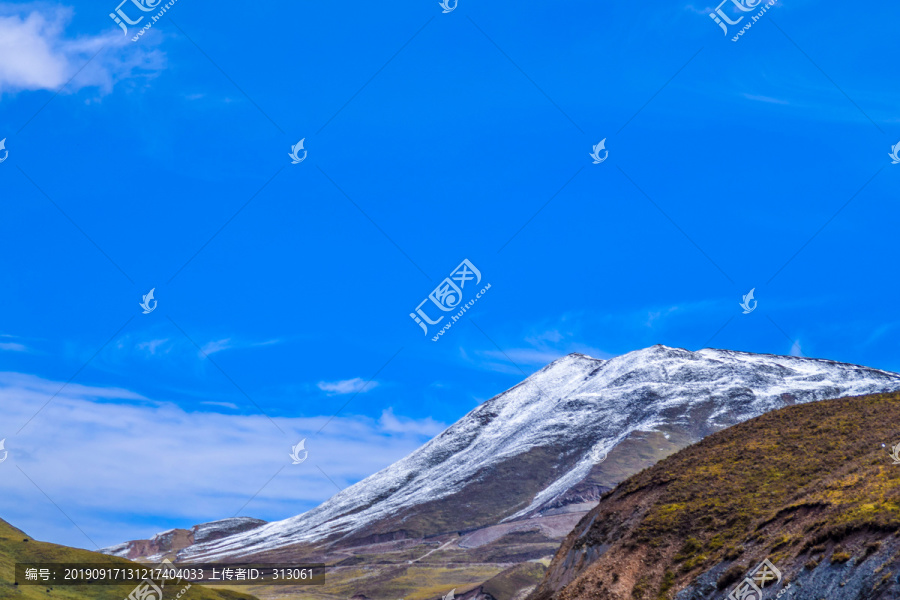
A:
x: 654, y: 315
x: 766, y: 99
x: 552, y: 335
x: 13, y: 347
x: 698, y: 11
x: 151, y: 345
x: 538, y: 346
x: 148, y: 344
x: 533, y: 357
x: 230, y: 405
x: 37, y: 54
x: 347, y: 386
x: 229, y: 344
x: 391, y: 423
x: 104, y: 456
x: 217, y: 346
x: 543, y: 342
x: 35, y: 390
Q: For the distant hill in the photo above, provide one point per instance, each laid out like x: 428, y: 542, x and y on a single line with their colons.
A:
x: 167, y: 544
x: 16, y: 546
x: 811, y: 488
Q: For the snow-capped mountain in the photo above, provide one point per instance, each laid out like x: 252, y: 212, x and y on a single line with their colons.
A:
x: 556, y: 440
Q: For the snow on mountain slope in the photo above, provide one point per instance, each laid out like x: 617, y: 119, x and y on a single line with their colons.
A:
x: 218, y: 529
x: 173, y: 540
x: 583, y: 405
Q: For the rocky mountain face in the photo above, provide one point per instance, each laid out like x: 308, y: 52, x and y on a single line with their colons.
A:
x: 168, y: 543
x: 800, y: 503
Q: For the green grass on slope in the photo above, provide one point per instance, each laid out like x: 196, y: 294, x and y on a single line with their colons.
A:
x: 515, y: 580
x: 824, y: 459
x: 14, y: 548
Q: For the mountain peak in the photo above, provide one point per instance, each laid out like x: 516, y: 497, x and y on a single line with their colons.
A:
x: 569, y: 359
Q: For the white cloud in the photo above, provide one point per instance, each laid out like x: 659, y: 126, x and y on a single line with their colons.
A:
x: 536, y: 357
x: 393, y: 424
x: 13, y: 347
x: 547, y: 336
x: 347, y: 386
x: 229, y: 343
x: 146, y: 466
x: 37, y: 389
x: 37, y: 54
x: 766, y: 99
x: 795, y: 349
x: 543, y: 344
x: 697, y: 11
x: 152, y: 345
x: 217, y: 346
x: 230, y: 405
x: 654, y: 315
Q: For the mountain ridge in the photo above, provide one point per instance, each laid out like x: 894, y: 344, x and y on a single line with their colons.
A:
x: 553, y: 443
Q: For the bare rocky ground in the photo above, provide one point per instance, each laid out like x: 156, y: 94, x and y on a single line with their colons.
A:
x: 501, y: 562
x: 871, y: 573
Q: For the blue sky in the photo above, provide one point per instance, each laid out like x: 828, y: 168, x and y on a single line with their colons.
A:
x: 432, y: 138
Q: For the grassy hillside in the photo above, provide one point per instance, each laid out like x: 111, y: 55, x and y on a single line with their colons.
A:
x: 16, y: 546
x: 810, y: 487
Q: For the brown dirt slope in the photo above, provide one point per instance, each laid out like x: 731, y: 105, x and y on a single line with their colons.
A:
x: 810, y: 487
